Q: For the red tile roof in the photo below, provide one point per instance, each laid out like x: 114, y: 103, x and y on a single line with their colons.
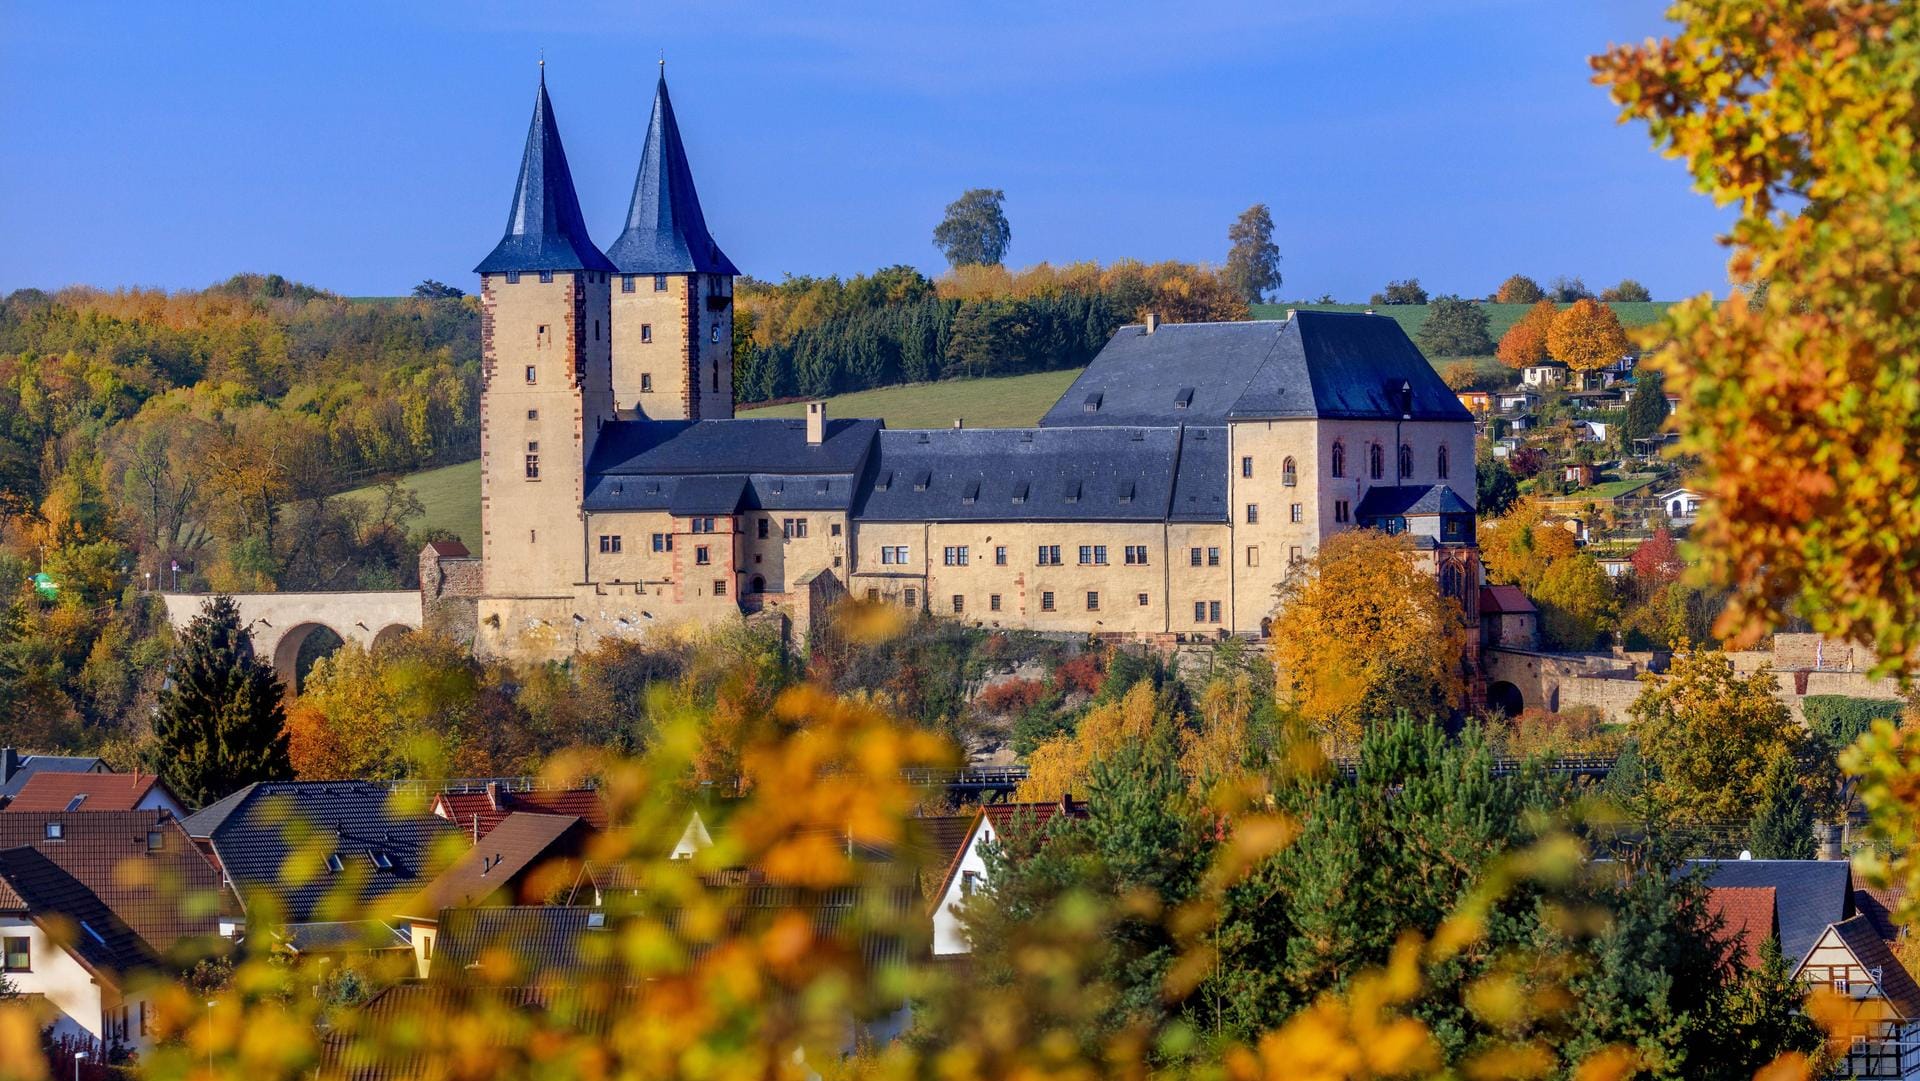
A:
x: 522, y: 841
x: 103, y: 791
x: 492, y: 807
x: 164, y: 893
x: 1504, y: 600
x: 1746, y: 919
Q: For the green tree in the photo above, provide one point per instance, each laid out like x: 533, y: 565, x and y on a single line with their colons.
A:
x: 1454, y: 328
x: 975, y: 230
x: 1765, y: 1012
x: 1783, y: 820
x: 1401, y: 292
x: 1566, y: 290
x: 1495, y: 485
x: 1647, y: 411
x: 1627, y: 292
x: 437, y: 290
x: 1712, y: 734
x: 1253, y: 261
x: 1519, y: 289
x: 220, y: 723
x: 1576, y: 602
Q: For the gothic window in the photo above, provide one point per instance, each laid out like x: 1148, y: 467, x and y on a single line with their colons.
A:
x: 1406, y: 461
x: 1287, y: 475
x: 1339, y: 460
x: 1442, y: 464
x: 1377, y: 461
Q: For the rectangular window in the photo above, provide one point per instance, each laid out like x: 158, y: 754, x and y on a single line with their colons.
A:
x: 1093, y: 601
x: 626, y: 283
x: 533, y: 414
x: 663, y: 542
x: 1293, y: 555
x: 143, y: 1014
x: 959, y: 604
x: 719, y: 587
x: 793, y: 528
x: 873, y: 596
x: 1049, y: 555
x: 993, y: 602
x: 1253, y: 514
x: 646, y: 333
x: 955, y: 555
x: 546, y: 276
x: 1142, y: 598
x: 702, y: 555
x: 893, y: 555
x: 1341, y: 512
x: 1253, y: 555
x: 1213, y: 557
x: 1199, y: 611
x: 533, y: 461
x: 702, y: 525
x: 1046, y: 602
x: 1297, y: 512
x: 763, y: 528
x: 532, y: 374
x: 1136, y: 555
x: 646, y: 382
x: 1213, y: 611
x: 19, y: 955
x: 1086, y: 554
x: 1194, y: 555
x: 659, y: 283
x: 513, y: 277
x: 910, y: 598
x: 1099, y: 555
x: 1246, y: 467
x: 609, y: 544
x: 1000, y: 555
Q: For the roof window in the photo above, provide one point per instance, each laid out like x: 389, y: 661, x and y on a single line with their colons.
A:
x: 93, y: 934
x: 820, y: 487
x: 1020, y: 492
x: 922, y: 479
x: 924, y: 438
x: 1073, y: 491
x: 1184, y: 398
x: 1092, y: 404
x: 596, y: 919
x: 74, y: 803
x: 971, y: 493
x: 381, y: 861
x: 885, y: 481
x: 335, y: 863
x: 1126, y: 491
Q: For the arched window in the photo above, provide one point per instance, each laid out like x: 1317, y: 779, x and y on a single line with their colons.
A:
x: 1443, y: 463
x: 759, y: 584
x: 1339, y: 459
x: 1406, y: 461
x: 1287, y: 475
x: 1450, y: 581
x: 1377, y: 461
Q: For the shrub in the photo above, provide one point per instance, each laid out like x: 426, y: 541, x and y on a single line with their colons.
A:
x: 1082, y: 674
x: 1012, y: 696
x: 1839, y: 719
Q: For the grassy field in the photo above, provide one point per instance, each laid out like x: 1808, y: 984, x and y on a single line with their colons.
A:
x: 1011, y: 401
x: 1499, y: 316
x: 451, y: 494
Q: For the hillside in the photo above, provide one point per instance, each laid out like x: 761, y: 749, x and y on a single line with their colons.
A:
x: 451, y: 494
x: 1499, y: 316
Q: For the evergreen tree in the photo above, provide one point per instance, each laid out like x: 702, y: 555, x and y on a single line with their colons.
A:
x: 1495, y: 485
x: 1253, y: 262
x: 1647, y: 411
x: 1783, y: 821
x: 1454, y: 328
x: 220, y: 723
x: 1766, y: 1013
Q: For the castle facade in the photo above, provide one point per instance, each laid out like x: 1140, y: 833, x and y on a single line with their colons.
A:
x: 1163, y: 496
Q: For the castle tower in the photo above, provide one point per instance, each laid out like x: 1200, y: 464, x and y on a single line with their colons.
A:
x: 673, y: 297
x: 546, y: 383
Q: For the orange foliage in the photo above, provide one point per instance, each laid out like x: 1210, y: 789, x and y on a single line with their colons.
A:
x: 1587, y: 336
x: 1525, y: 342
x: 1080, y: 674
x: 1013, y: 696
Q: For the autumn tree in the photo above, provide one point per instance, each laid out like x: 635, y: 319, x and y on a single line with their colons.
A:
x: 1525, y: 342
x: 1587, y: 336
x: 1519, y: 289
x: 1519, y: 546
x: 1062, y: 765
x: 1712, y: 734
x: 1627, y: 292
x: 1801, y: 114
x: 1454, y: 328
x: 1363, y: 632
x: 1576, y: 602
x: 975, y: 230
x: 220, y: 723
x: 1460, y: 375
x: 1656, y: 560
x: 1253, y: 261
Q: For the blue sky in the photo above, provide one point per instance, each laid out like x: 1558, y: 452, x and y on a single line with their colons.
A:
x: 365, y: 146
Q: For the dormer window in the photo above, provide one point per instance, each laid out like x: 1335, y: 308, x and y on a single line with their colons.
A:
x: 546, y: 277
x: 1184, y: 398
x: 1020, y: 492
x: 1092, y: 404
x: 335, y: 863
x: 1073, y: 491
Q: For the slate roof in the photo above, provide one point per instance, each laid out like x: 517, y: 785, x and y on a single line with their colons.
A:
x: 771, y: 445
x: 100, y: 848
x: 1504, y: 600
x: 103, y: 942
x: 545, y: 230
x: 345, y: 936
x: 101, y: 791
x: 28, y: 765
x: 1863, y: 940
x: 1808, y: 894
x: 519, y: 843
x: 666, y: 232
x: 1044, y: 474
x: 1746, y: 919
x: 1313, y: 364
x: 1879, y: 904
x: 1410, y: 500
x: 474, y: 810
x: 548, y: 945
x: 253, y: 833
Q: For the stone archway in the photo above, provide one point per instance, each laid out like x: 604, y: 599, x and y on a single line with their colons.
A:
x: 390, y: 634
x: 287, y: 652
x: 1506, y: 698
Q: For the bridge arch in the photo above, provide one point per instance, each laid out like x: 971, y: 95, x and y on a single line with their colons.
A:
x: 1506, y: 698
x: 281, y: 623
x: 390, y: 634
x: 286, y: 652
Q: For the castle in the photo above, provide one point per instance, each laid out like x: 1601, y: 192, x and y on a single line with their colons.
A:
x: 1162, y: 497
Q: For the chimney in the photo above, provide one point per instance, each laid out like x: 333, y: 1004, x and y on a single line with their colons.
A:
x: 1066, y: 803
x: 496, y: 797
x: 1153, y: 322
x: 816, y: 423
x: 959, y: 422
x: 9, y: 764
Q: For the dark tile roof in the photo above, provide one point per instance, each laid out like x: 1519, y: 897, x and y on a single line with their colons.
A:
x: 255, y: 831
x: 175, y: 895
x: 1863, y: 940
x: 399, y: 1035
x: 547, y: 945
x: 666, y: 233
x: 1409, y: 500
x: 517, y: 845
x: 101, y: 791
x: 1879, y: 905
x: 725, y: 493
x: 1313, y: 364
x: 941, y: 836
x: 1808, y: 894
x: 345, y: 936
x: 103, y: 942
x: 1505, y: 600
x: 773, y: 446
x: 1046, y: 474
x: 28, y: 765
x: 1746, y: 919
x: 545, y: 230
x: 476, y: 811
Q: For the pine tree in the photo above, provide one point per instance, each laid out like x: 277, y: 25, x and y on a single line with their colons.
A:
x: 1647, y: 411
x: 1783, y: 822
x: 220, y: 722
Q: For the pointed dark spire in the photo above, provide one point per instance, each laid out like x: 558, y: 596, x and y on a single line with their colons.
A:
x: 544, y: 229
x: 666, y: 233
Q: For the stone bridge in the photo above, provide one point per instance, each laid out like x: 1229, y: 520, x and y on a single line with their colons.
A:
x: 281, y: 622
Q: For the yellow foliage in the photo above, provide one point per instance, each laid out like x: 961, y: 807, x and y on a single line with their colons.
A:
x: 1587, y: 336
x: 1062, y: 765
